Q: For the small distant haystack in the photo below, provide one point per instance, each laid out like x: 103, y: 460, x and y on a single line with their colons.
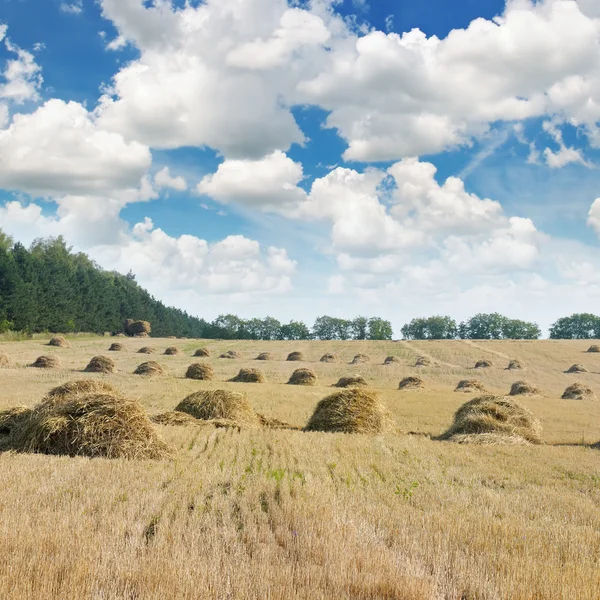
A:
x: 483, y: 364
x: 515, y: 365
x: 412, y: 383
x: 174, y: 418
x: 149, y: 369
x: 303, y: 377
x: 576, y: 369
x: 116, y: 347
x: 219, y: 404
x: 423, y: 361
x: 594, y: 348
x: 579, y: 391
x: 232, y: 354
x: 500, y: 419
x: 469, y: 386
x: 47, y: 362
x: 79, y: 387
x: 249, y: 376
x: 349, y: 382
x: 295, y: 356
x: 351, y: 411
x: 136, y: 328
x: 92, y: 425
x: 171, y: 351
x: 202, y: 352
x: 147, y: 350
x: 101, y: 364
x: 524, y: 388
x: 360, y: 359
x: 265, y: 356
x: 392, y: 360
x: 200, y: 371
x: 59, y: 342
x: 4, y: 359
x: 329, y: 358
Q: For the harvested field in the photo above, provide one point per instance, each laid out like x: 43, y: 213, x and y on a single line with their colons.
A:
x: 4, y: 359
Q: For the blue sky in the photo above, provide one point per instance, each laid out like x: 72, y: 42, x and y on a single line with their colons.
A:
x: 386, y: 158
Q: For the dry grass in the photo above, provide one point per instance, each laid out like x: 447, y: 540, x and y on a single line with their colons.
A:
x: 576, y: 368
x: 101, y: 364
x: 249, y: 375
x: 9, y: 419
x: 200, y: 371
x: 219, y: 404
x: 484, y: 364
x: 578, y: 391
x: 46, y: 362
x: 524, y: 388
x: 392, y: 360
x: 4, y: 359
x: 116, y: 347
x: 232, y: 354
x: 295, y: 356
x: 412, y: 383
x: 351, y: 411
x: 59, y: 341
x: 361, y: 359
x: 497, y: 416
x: 515, y: 365
x: 202, y: 353
x: 470, y: 386
x: 175, y: 418
x: 329, y: 358
x: 146, y: 350
x: 265, y: 356
x: 353, y: 381
x: 423, y: 361
x: 149, y: 369
x: 171, y: 351
x: 303, y: 377
x: 78, y: 387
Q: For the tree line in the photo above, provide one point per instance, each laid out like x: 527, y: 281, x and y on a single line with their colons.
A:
x: 47, y: 287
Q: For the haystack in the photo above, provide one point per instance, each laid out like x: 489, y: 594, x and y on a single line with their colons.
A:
x: 231, y: 354
x: 136, y: 328
x: 101, y: 364
x: 594, y: 348
x: 524, y: 388
x: 149, y: 369
x: 469, y: 386
x: 515, y: 365
x: 578, y: 391
x: 9, y: 419
x: 93, y: 425
x: 202, y: 352
x: 59, y: 342
x: 47, y: 362
x: 392, y: 360
x: 141, y: 335
x: 171, y: 351
x: 505, y: 420
x: 249, y: 376
x: 4, y: 359
x: 483, y: 364
x: 116, y: 347
x: 147, y: 350
x: 576, y: 369
x: 265, y: 356
x: 295, y: 356
x: 200, y: 371
x: 219, y: 404
x: 412, y: 383
x: 329, y: 358
x: 360, y: 359
x: 423, y: 361
x: 80, y: 387
x: 348, y: 382
x: 303, y: 377
x: 351, y: 411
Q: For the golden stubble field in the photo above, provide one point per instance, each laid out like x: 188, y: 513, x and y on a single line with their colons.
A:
x: 278, y: 514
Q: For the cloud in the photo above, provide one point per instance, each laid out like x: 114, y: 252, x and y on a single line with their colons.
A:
x: 59, y: 149
x: 75, y: 7
x: 163, y: 179
x: 594, y: 216
x: 21, y: 79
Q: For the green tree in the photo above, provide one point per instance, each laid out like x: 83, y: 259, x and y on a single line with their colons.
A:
x: 582, y: 326
x: 431, y: 328
x: 294, y: 330
x: 380, y: 329
x: 360, y: 328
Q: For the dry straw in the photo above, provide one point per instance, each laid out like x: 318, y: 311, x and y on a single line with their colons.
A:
x: 515, y: 365
x: 149, y: 369
x: 59, y: 342
x: 171, y: 351
x: 4, y: 359
x: 101, y: 364
x: 219, y: 404
x: 231, y: 354
x: 349, y: 382
x: 500, y: 419
x: 483, y: 364
x: 80, y: 386
x: 360, y: 359
x: 116, y: 347
x: 200, y: 371
x: 295, y: 356
x: 423, y: 361
x: 147, y: 350
x: 392, y: 360
x: 579, y: 391
x: 265, y: 356
x: 412, y: 383
x: 9, y: 419
x: 303, y: 377
x: 46, y: 362
x: 137, y: 328
x: 329, y: 358
x: 594, y: 348
x: 249, y: 375
x: 202, y: 353
x: 576, y: 369
x: 524, y: 388
x: 275, y: 423
x: 174, y: 418
x: 469, y: 386
x: 351, y: 411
